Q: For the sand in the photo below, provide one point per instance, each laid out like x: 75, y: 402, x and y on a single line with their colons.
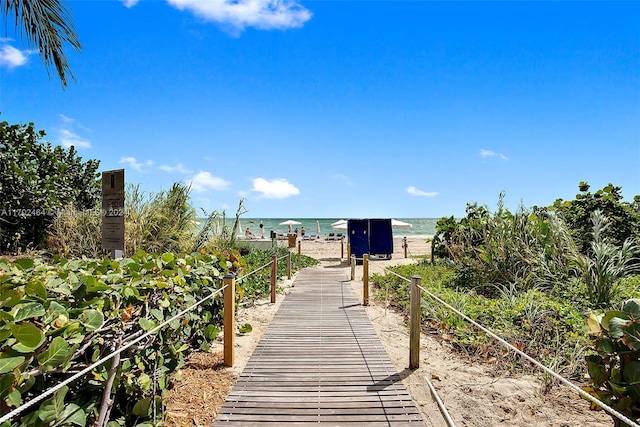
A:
x: 474, y: 392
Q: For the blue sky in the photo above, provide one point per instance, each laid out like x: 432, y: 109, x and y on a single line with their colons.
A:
x: 346, y: 108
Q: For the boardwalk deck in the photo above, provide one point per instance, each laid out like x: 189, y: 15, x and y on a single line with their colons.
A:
x: 319, y: 362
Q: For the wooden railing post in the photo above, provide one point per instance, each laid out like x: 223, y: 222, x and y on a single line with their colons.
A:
x: 405, y: 246
x: 365, y: 279
x: 299, y: 249
x: 289, y: 265
x: 274, y: 273
x: 341, y: 249
x: 414, y: 324
x: 229, y: 326
x: 353, y: 266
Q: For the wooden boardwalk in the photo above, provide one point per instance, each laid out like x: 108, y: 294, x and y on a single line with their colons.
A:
x: 319, y: 362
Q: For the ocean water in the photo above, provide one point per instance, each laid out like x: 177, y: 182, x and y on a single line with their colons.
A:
x: 420, y: 227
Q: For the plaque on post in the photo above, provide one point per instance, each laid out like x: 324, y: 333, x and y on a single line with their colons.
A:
x: 113, y: 211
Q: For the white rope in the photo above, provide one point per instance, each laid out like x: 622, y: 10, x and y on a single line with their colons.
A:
x: 568, y: 383
x: 443, y: 409
x: 252, y: 272
x: 52, y: 390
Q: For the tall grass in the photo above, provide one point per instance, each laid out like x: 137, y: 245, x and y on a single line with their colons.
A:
x: 154, y: 222
x: 524, y: 249
x: 603, y: 267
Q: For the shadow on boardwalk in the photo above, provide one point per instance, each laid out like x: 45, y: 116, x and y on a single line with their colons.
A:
x: 320, y: 362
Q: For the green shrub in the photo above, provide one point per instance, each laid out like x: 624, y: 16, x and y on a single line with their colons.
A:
x: 37, y: 181
x: 614, y: 369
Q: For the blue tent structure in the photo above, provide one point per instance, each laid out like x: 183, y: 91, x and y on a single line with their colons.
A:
x: 380, y: 239
x: 358, y: 235
x: 370, y: 236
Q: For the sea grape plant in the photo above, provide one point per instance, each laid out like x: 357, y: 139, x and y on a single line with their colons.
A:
x: 59, y: 317
x: 614, y: 369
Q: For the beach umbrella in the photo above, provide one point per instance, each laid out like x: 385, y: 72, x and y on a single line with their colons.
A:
x: 317, y: 226
x: 340, y: 225
x: 290, y: 222
x: 400, y: 224
x: 339, y: 222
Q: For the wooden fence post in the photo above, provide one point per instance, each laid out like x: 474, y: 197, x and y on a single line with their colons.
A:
x: 414, y: 324
x: 289, y: 265
x: 353, y: 266
x: 348, y: 253
x: 274, y: 273
x: 299, y: 249
x: 229, y: 326
x: 365, y: 279
x: 341, y: 249
x: 405, y: 246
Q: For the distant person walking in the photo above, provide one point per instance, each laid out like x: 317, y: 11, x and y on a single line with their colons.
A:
x: 261, y: 230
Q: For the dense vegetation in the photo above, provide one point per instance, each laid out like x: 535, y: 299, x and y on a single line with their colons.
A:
x: 37, y: 182
x: 67, y: 305
x: 534, y: 276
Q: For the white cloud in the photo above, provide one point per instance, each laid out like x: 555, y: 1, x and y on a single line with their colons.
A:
x: 129, y: 3
x: 489, y: 153
x: 12, y: 57
x: 133, y: 163
x: 177, y: 168
x: 416, y: 192
x: 275, y: 188
x: 69, y: 138
x: 239, y: 14
x: 204, y: 181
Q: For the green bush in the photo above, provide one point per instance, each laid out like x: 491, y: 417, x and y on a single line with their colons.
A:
x: 614, y: 368
x: 58, y: 317
x: 624, y: 217
x: 37, y: 182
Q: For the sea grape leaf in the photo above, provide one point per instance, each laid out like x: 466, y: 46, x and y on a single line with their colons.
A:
x: 631, y: 375
x: 632, y: 306
x: 24, y: 263
x: 606, y: 319
x: 36, y: 288
x: 57, y: 353
x: 8, y: 364
x: 10, y: 298
x: 55, y: 309
x: 72, y: 414
x: 27, y: 334
x: 51, y: 409
x: 91, y: 319
x: 616, y: 325
x: 27, y: 311
x: 146, y: 324
x: 6, y: 385
x: 142, y: 408
x: 631, y: 336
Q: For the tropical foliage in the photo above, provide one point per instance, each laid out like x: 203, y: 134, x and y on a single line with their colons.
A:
x: 614, y: 368
x: 47, y: 25
x: 58, y: 317
x: 37, y: 182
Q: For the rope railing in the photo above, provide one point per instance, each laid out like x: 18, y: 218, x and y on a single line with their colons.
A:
x: 416, y: 283
x: 49, y: 392
x: 228, y: 327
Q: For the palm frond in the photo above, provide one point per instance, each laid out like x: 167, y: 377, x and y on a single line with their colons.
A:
x: 48, y: 25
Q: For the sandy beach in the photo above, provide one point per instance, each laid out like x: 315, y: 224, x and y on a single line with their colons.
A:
x: 474, y: 392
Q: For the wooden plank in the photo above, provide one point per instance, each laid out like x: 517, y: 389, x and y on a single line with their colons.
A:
x: 319, y: 362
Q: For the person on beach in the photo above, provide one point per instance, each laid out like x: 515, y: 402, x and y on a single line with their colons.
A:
x: 247, y: 233
x: 261, y: 230
x: 295, y: 231
x: 302, y: 232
